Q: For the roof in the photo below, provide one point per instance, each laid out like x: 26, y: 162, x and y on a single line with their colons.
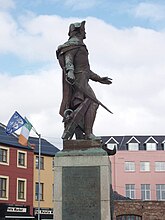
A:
x: 141, y: 139
x: 12, y: 140
x: 46, y: 147
x: 117, y: 196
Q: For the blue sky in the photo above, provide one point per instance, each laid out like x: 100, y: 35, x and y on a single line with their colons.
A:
x: 125, y: 39
x: 121, y: 14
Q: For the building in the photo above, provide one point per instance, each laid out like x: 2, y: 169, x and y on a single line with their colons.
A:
x: 125, y: 208
x: 16, y: 178
x: 48, y: 152
x: 138, y: 167
x: 19, y: 185
x: 139, y: 210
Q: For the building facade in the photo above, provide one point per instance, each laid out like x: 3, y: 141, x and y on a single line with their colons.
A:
x: 19, y: 185
x: 138, y: 167
x: 16, y: 178
x: 139, y: 210
x: 46, y: 205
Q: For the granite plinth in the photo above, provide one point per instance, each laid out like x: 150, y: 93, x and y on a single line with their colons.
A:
x: 82, y: 184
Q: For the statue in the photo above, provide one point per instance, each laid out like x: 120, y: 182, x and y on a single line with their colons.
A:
x: 79, y: 103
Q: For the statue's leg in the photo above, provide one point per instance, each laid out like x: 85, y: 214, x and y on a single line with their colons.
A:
x: 76, y: 120
x: 79, y: 133
x: 89, y: 120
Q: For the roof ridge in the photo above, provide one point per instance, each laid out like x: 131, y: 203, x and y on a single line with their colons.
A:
x: 2, y: 125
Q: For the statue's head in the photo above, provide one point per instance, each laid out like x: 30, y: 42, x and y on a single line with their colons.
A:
x: 77, y: 28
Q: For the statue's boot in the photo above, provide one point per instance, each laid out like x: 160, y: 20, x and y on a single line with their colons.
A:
x: 91, y: 136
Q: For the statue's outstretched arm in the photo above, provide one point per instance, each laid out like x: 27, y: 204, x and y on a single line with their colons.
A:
x: 97, y: 78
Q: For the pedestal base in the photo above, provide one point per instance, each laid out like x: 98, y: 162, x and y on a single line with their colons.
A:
x: 82, y: 185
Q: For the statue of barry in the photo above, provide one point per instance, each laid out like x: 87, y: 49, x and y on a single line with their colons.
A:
x: 79, y: 103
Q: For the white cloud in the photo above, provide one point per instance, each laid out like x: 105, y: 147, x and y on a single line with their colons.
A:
x: 133, y: 57
x: 33, y: 38
x: 150, y: 11
x: 7, y: 4
x: 36, y: 96
x: 7, y: 33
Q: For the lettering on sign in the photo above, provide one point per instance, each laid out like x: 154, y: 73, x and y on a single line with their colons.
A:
x: 44, y: 211
x: 16, y: 209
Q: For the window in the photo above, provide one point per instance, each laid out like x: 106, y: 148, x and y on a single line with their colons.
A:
x: 130, y: 191
x: 145, y: 166
x: 22, y: 159
x: 160, y: 191
x: 111, y: 146
x: 41, y: 162
x: 151, y: 146
x: 41, y: 191
x: 133, y: 146
x: 129, y: 166
x: 53, y: 164
x: 3, y: 187
x: 21, y: 189
x: 145, y: 192
x: 53, y: 196
x: 128, y: 217
x: 160, y: 166
x: 4, y: 155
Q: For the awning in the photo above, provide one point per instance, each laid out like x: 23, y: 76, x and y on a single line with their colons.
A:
x: 22, y: 217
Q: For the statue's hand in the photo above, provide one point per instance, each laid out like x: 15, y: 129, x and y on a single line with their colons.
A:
x: 105, y: 80
x: 70, y: 77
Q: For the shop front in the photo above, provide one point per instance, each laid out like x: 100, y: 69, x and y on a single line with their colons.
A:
x: 45, y: 213
x: 8, y: 212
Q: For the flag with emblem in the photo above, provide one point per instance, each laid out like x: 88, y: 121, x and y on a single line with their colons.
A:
x: 25, y: 131
x: 15, y: 122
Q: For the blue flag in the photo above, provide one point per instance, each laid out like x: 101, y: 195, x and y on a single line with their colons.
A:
x: 15, y: 122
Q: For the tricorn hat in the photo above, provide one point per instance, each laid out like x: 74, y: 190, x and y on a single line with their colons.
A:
x: 76, y: 27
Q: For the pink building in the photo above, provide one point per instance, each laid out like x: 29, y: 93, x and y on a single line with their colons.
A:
x: 138, y: 167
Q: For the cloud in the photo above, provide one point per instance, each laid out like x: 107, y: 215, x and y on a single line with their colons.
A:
x: 133, y: 57
x: 150, y: 11
x: 36, y: 96
x: 39, y: 37
x: 7, y: 32
x: 125, y: 48
x: 7, y: 4
x: 31, y: 37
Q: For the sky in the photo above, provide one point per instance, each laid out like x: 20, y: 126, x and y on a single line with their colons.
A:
x: 125, y: 39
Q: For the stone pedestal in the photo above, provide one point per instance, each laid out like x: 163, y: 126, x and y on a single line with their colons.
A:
x: 82, y: 182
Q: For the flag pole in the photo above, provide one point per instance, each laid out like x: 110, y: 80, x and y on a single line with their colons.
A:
x: 39, y: 169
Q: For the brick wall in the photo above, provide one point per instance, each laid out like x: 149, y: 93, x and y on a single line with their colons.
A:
x: 149, y: 210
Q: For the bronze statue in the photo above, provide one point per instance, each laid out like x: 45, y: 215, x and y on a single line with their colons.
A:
x: 79, y: 103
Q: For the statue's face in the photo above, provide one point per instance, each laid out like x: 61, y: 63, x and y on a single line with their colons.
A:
x: 83, y: 33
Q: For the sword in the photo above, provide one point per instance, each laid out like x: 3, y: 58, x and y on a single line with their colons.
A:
x: 78, y: 86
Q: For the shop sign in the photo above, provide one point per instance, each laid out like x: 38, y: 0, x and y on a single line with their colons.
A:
x: 44, y: 211
x: 16, y: 209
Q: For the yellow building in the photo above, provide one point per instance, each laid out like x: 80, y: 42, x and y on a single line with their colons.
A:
x: 45, y: 205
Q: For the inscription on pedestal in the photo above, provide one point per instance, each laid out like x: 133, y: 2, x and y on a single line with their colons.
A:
x: 81, y: 193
